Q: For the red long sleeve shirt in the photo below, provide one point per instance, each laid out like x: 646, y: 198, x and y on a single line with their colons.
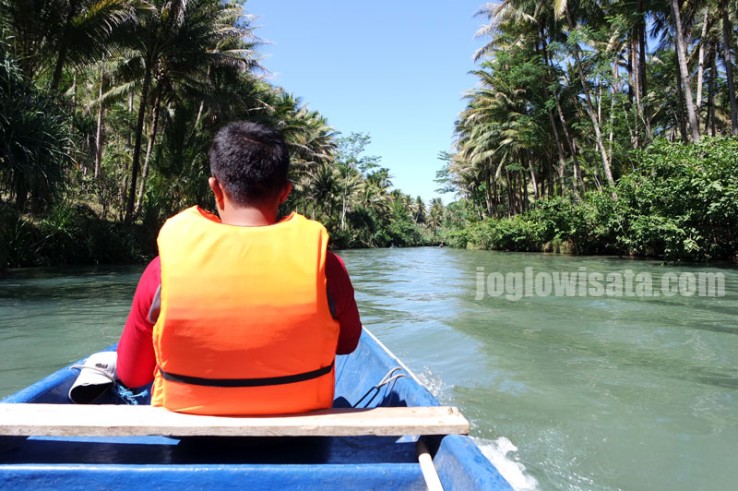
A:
x: 136, y: 359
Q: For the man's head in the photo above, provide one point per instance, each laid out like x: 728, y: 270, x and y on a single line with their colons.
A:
x: 250, y: 161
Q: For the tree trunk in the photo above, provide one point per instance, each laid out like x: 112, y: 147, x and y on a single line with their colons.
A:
x: 21, y: 192
x: 577, y: 178
x: 590, y: 108
x: 510, y: 200
x: 634, y: 57
x: 136, y: 161
x: 533, y: 181
x: 488, y: 194
x: 149, y: 147
x: 642, y: 46
x: 561, y: 169
x: 711, y: 93
x: 496, y: 200
x: 681, y: 119
x: 99, y: 131
x: 60, y: 60
x: 61, y: 57
x: 681, y: 46
x: 129, y: 136
x: 631, y: 71
x: 344, y: 200
x: 727, y: 44
x: 523, y: 192
x: 613, y: 95
x: 547, y: 180
x: 202, y: 103
x: 701, y: 62
x: 559, y: 146
x: 642, y: 69
x: 599, y: 102
x: 343, y: 209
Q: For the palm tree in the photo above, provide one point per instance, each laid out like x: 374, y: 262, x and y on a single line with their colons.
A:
x: 50, y: 34
x: 435, y: 214
x: 323, y: 191
x: 175, y: 43
x: 419, y: 211
x: 681, y: 49
x: 504, y: 128
x: 310, y: 139
x: 349, y: 182
x: 312, y: 145
x: 561, y: 7
x: 87, y: 29
x: 532, y: 27
x: 30, y: 26
x: 35, y: 139
x: 728, y: 59
x: 374, y: 192
x: 401, y: 205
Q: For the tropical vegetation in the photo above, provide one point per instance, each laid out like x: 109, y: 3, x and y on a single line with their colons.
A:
x: 600, y: 127
x: 109, y: 107
x: 596, y: 127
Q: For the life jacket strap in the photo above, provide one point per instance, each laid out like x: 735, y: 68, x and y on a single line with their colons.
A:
x: 247, y: 382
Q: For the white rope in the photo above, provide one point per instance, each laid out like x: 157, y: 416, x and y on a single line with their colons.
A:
x: 387, y: 379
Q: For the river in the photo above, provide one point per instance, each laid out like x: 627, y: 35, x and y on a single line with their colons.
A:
x: 628, y: 383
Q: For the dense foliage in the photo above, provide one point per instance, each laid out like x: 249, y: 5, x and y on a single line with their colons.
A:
x: 109, y: 107
x: 595, y: 129
x: 682, y: 203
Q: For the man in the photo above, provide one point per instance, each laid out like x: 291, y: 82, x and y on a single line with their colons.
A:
x: 241, y: 315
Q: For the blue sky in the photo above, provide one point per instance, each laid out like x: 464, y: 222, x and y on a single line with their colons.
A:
x: 395, y: 69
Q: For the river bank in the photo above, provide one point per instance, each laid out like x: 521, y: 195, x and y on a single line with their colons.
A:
x: 679, y: 203
x: 72, y: 235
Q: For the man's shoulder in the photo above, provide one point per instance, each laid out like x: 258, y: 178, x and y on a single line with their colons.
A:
x: 335, y: 267
x: 332, y: 256
x: 306, y: 226
x: 188, y: 214
x: 297, y: 217
x: 152, y: 273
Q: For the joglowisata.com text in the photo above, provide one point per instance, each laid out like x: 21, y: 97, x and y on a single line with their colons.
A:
x: 516, y: 285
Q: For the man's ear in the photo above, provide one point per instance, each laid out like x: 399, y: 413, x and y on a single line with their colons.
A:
x: 217, y: 192
x: 286, y: 190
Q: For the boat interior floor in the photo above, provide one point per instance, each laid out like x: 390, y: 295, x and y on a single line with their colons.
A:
x: 206, y: 450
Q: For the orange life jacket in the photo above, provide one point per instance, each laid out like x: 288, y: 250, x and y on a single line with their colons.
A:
x: 245, y: 327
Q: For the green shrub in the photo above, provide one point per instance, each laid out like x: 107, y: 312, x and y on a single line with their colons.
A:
x: 70, y: 234
x: 517, y: 233
x: 35, y: 139
x: 455, y: 237
x: 681, y: 203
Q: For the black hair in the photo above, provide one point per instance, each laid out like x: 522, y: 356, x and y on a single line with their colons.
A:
x: 250, y: 161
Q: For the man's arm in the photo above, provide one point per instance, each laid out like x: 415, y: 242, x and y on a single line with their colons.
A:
x: 346, y: 312
x: 136, y: 358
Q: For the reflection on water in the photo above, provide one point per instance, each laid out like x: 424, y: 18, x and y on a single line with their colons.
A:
x: 590, y: 393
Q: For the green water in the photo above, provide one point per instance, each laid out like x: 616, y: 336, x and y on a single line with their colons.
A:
x: 50, y: 318
x: 583, y: 392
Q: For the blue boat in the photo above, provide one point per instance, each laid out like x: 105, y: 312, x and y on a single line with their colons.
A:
x: 369, y: 377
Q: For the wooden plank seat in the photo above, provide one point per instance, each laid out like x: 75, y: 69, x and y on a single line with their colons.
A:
x: 27, y: 419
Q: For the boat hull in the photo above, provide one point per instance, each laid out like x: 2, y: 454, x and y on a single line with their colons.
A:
x: 307, y: 463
